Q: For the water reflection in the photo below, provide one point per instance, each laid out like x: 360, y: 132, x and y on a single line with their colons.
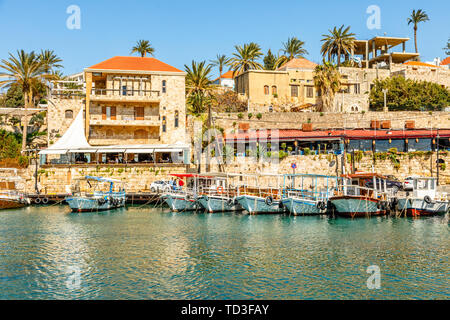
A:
x: 150, y: 253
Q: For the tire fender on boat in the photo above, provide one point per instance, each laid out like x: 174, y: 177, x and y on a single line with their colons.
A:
x: 427, y: 199
x: 44, y: 200
x: 269, y: 200
x: 37, y: 200
x: 230, y: 202
x: 321, y: 205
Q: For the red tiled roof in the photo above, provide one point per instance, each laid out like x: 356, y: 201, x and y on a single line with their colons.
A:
x: 134, y: 64
x: 298, y: 63
x: 420, y: 64
x: 445, y: 62
x: 357, y: 134
x: 227, y: 75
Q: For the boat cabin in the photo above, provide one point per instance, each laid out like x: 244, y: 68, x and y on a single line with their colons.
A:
x: 357, y: 185
x: 423, y: 187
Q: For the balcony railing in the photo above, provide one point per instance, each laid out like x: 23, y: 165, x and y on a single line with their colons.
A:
x: 113, y: 93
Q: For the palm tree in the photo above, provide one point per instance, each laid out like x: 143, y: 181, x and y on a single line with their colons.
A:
x: 221, y: 61
x: 198, y: 86
x: 339, y: 42
x: 143, y: 47
x: 245, y: 58
x: 50, y: 61
x: 25, y: 70
x: 292, y: 49
x: 327, y: 80
x: 417, y: 17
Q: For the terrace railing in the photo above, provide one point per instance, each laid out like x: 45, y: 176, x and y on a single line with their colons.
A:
x: 125, y: 93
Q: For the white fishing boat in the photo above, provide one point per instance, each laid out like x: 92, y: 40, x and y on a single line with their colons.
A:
x: 184, y: 196
x: 10, y: 185
x: 262, y: 195
x: 217, y: 193
x: 96, y: 194
x: 308, y: 194
x: 354, y: 199
x: 425, y: 200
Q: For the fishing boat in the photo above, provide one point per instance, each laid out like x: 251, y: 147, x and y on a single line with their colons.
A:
x: 256, y: 199
x: 308, y: 194
x: 425, y: 200
x: 10, y: 196
x: 217, y: 193
x: 101, y: 194
x: 184, y: 195
x: 354, y: 199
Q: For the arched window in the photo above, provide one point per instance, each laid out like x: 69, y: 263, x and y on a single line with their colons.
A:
x: 164, y: 87
x: 68, y: 114
x: 274, y: 90
x: 266, y: 90
x: 141, y: 134
x: 176, y: 119
x: 164, y: 124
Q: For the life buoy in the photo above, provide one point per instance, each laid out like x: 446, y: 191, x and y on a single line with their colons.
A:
x: 101, y: 201
x: 37, y: 200
x: 281, y: 205
x: 321, y: 205
x: 427, y: 199
x: 219, y: 189
x: 269, y: 200
x: 44, y: 200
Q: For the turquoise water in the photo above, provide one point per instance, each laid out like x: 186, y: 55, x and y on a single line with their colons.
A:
x: 149, y: 253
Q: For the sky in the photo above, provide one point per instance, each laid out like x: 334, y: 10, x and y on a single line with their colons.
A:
x: 182, y: 31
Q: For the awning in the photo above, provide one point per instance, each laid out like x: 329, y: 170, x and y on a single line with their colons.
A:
x: 139, y: 150
x: 168, y: 150
x: 94, y: 150
x: 100, y: 150
x: 46, y: 151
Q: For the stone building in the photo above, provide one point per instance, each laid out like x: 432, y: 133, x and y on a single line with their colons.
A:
x: 290, y: 86
x: 129, y: 102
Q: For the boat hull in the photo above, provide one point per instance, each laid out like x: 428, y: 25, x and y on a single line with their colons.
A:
x: 83, y: 204
x: 302, y: 207
x: 420, y: 208
x: 258, y: 205
x: 11, y: 204
x: 179, y: 203
x: 356, y: 206
x: 219, y: 204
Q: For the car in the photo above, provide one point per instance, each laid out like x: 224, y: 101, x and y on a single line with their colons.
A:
x: 391, y: 183
x: 408, y: 184
x: 161, y: 186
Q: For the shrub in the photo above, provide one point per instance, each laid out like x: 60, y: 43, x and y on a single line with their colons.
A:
x: 321, y: 114
x: 306, y: 151
x: 250, y: 115
x: 240, y: 115
x: 259, y: 116
x: 23, y: 161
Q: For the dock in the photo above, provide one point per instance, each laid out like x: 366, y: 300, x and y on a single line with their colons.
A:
x: 132, y: 198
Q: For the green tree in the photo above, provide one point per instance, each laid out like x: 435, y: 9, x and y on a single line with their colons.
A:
x: 293, y: 48
x: 26, y: 70
x: 220, y: 62
x: 245, y: 58
x: 416, y: 18
x: 269, y: 61
x: 337, y: 43
x: 327, y: 80
x: 143, y: 47
x: 447, y: 48
x: 198, y: 87
x: 9, y: 145
x: 408, y: 95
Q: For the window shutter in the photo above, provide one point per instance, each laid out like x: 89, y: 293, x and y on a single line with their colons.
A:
x: 113, y: 113
x: 103, y: 112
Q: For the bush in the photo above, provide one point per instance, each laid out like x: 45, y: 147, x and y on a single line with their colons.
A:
x: 306, y: 151
x: 240, y: 115
x: 23, y: 161
x: 259, y: 116
x: 250, y: 115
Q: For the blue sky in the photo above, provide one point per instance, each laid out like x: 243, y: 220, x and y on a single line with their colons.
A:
x: 182, y: 31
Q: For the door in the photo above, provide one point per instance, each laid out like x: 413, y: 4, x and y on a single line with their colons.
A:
x: 139, y: 113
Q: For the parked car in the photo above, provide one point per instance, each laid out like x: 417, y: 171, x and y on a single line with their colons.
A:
x: 408, y: 184
x: 391, y: 183
x: 161, y: 186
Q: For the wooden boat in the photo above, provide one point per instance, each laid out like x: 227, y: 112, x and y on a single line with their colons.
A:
x: 308, y: 194
x: 353, y: 199
x: 425, y: 201
x: 10, y: 196
x: 184, y: 196
x: 217, y: 193
x: 97, y: 199
x: 261, y: 200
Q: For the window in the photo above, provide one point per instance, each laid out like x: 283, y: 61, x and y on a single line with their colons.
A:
x: 357, y: 88
x: 164, y: 89
x: 294, y: 91
x: 139, y: 113
x: 309, y: 92
x: 164, y: 124
x: 176, y: 119
x: 266, y: 90
x: 69, y: 114
x: 108, y: 113
x: 274, y: 90
x: 124, y: 90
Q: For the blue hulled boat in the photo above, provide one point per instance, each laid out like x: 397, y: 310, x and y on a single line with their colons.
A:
x: 97, y: 200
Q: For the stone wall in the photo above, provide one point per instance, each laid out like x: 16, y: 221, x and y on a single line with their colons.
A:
x: 294, y: 120
x: 56, y: 116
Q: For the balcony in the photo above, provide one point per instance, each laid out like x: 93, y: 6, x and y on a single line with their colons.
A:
x: 124, y: 121
x: 122, y: 95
